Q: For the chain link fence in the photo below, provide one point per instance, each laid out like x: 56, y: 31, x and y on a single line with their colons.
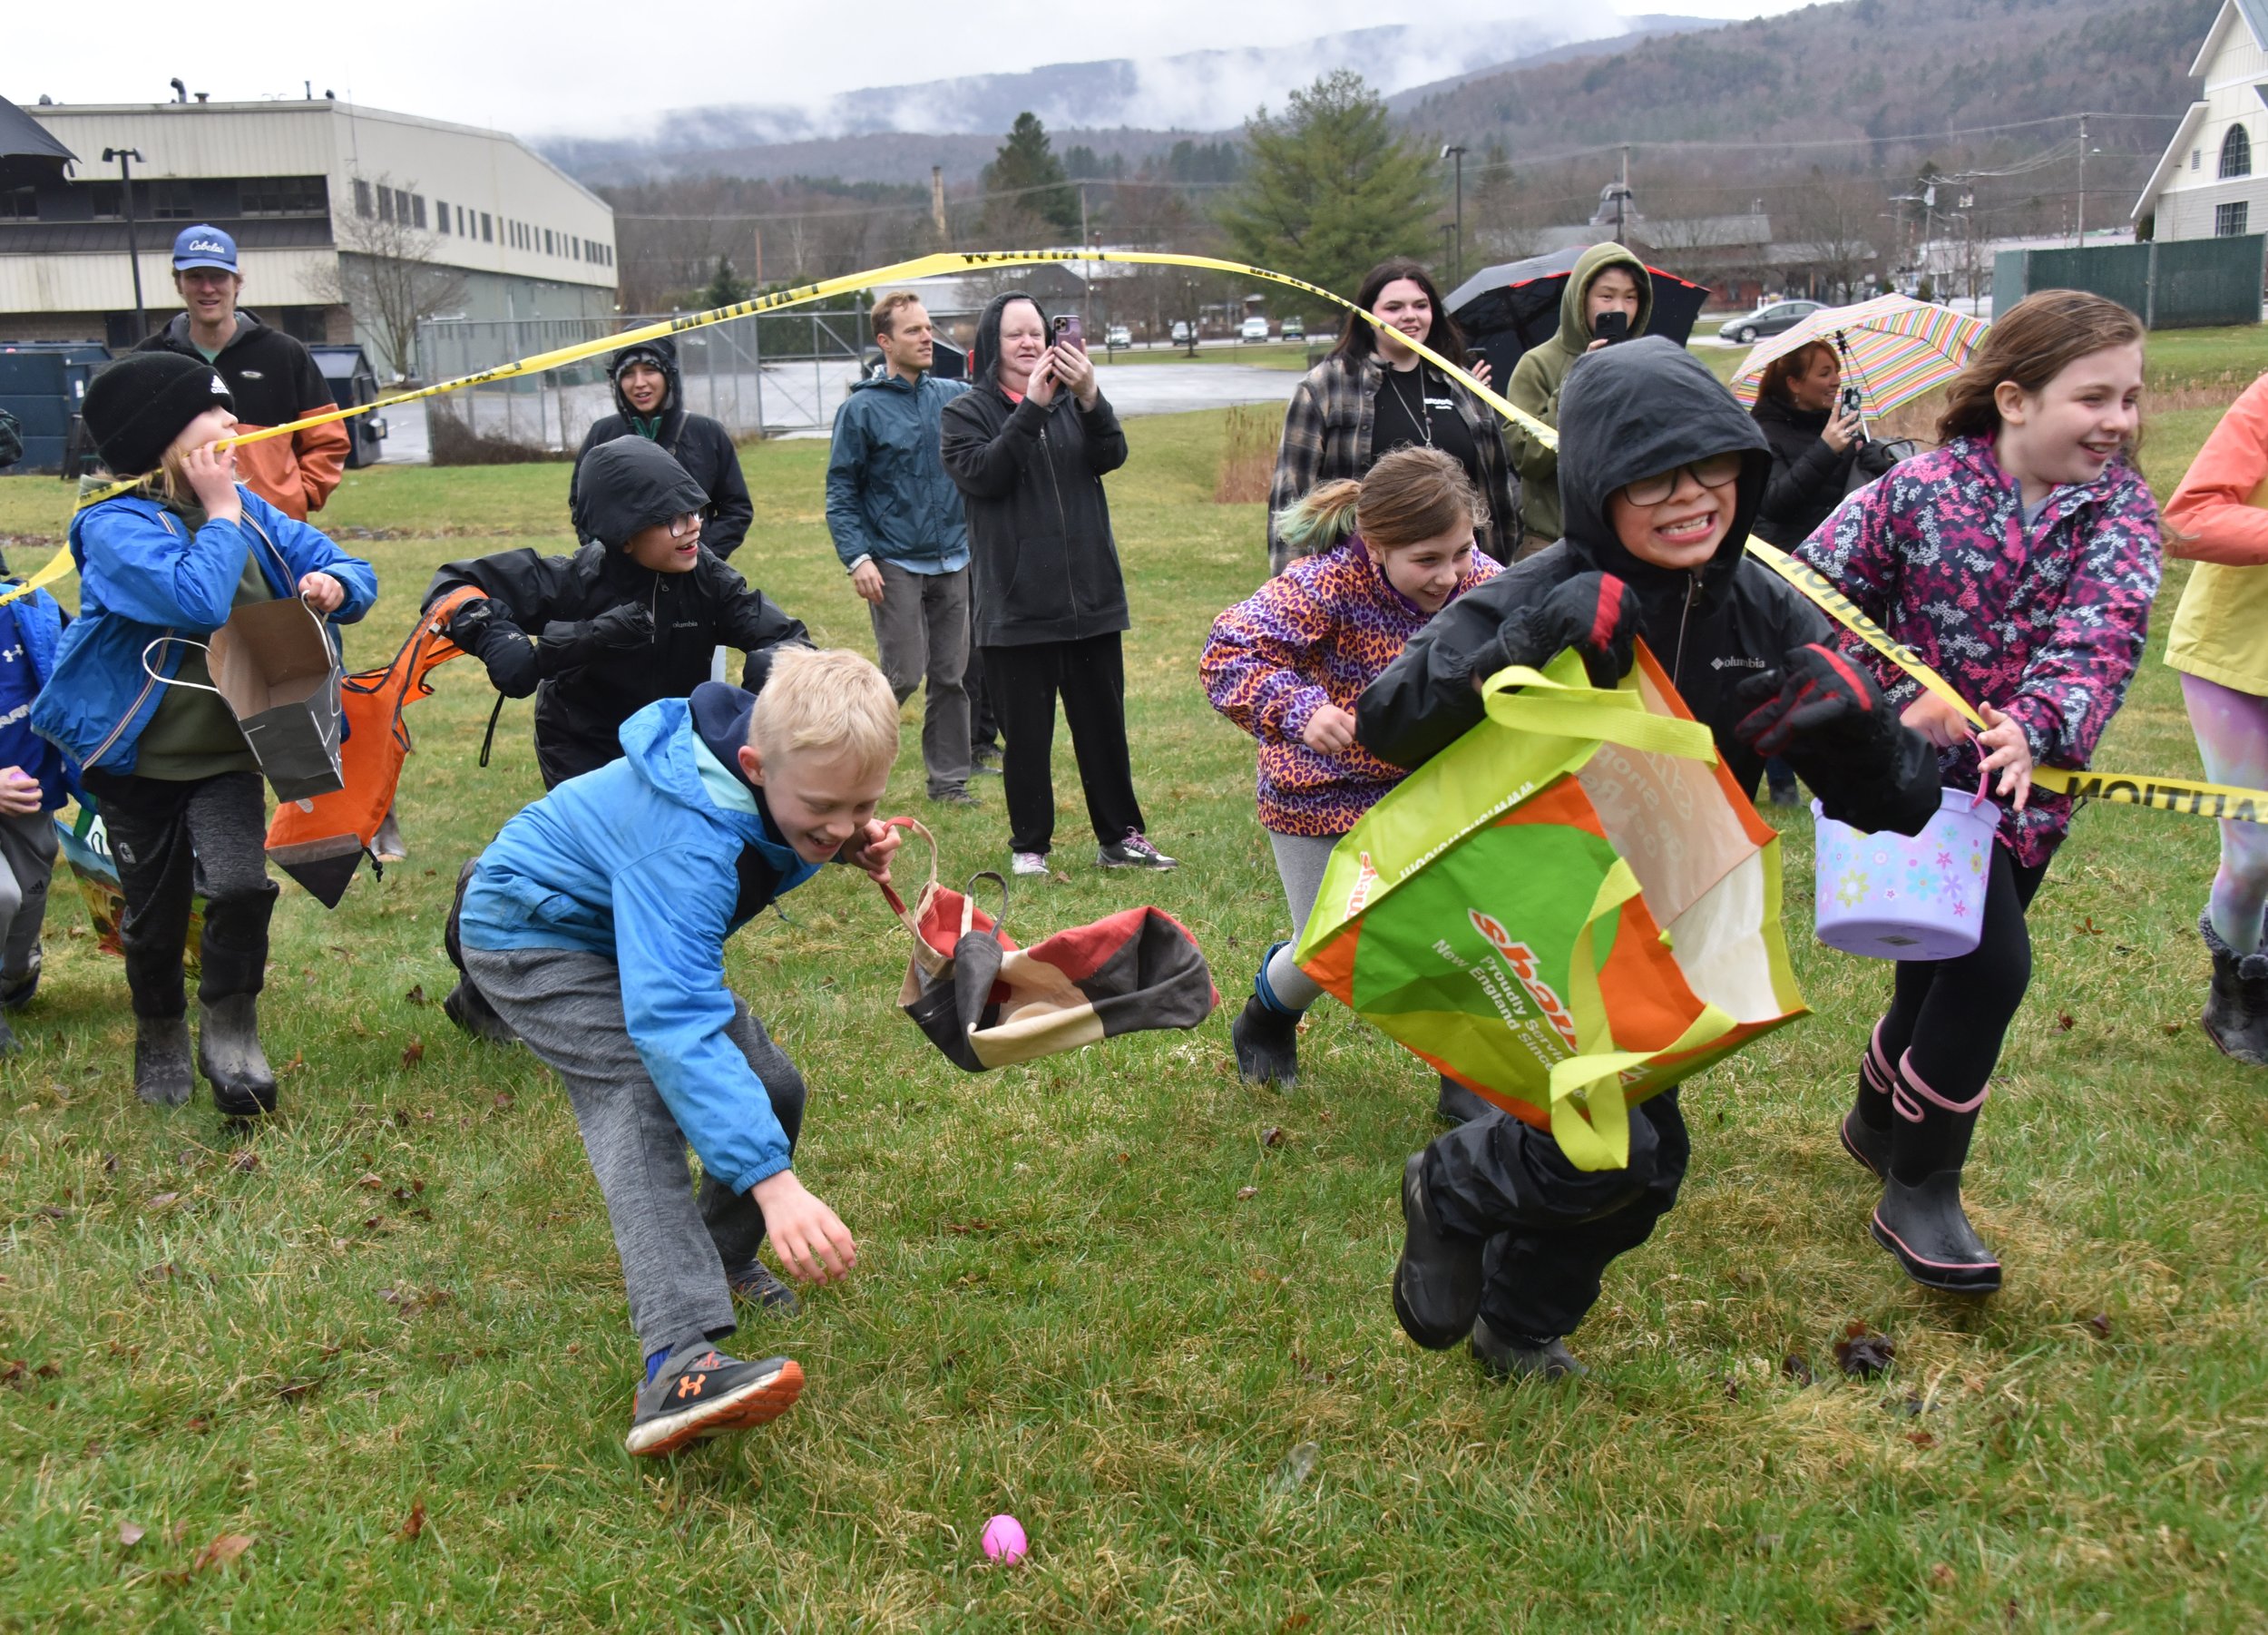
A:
x: 767, y: 374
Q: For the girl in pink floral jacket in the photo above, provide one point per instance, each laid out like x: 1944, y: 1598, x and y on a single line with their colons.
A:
x: 2018, y: 561
x: 1287, y: 663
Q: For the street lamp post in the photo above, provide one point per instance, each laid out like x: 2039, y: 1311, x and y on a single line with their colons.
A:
x: 133, y: 251
x: 1457, y: 155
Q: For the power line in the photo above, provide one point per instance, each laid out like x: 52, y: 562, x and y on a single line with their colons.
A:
x: 921, y: 205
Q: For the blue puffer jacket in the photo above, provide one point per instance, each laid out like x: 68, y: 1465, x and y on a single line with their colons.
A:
x: 888, y: 495
x: 142, y: 576
x: 642, y: 863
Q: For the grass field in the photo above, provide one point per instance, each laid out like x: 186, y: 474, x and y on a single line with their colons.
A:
x: 1116, y: 1292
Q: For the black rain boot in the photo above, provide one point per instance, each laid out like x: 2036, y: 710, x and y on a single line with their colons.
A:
x: 229, y: 1055
x: 2236, y: 1005
x: 1266, y: 1036
x: 162, y: 1074
x: 1920, y: 1221
x: 1867, y: 1142
x: 1514, y: 1358
x: 1437, y: 1281
x: 1458, y: 1105
x: 468, y: 1007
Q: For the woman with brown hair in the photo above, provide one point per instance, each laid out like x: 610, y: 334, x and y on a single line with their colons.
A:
x: 1819, y: 449
x: 1374, y: 394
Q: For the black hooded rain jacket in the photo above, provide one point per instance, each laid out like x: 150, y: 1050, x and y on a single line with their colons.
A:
x: 699, y: 444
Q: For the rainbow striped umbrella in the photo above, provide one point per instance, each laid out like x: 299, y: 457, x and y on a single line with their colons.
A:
x: 1893, y: 349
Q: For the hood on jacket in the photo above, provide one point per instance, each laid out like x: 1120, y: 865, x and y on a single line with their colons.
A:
x: 1637, y: 410
x: 176, y: 332
x: 1574, y: 330
x: 984, y: 356
x: 720, y: 713
x: 658, y: 742
x: 628, y: 484
x: 663, y: 355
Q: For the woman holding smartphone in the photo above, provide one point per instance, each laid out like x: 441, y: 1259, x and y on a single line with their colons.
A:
x: 1375, y: 395
x: 1820, y: 450
x: 1028, y: 448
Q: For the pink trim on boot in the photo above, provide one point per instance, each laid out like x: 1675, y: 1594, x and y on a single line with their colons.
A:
x: 1910, y: 1083
x: 1874, y: 1067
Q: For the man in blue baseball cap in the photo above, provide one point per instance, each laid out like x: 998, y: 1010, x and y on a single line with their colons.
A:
x: 272, y: 377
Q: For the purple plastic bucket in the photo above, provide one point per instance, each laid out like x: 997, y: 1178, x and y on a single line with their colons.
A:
x: 1887, y: 897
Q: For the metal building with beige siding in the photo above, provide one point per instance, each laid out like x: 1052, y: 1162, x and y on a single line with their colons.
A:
x: 305, y: 188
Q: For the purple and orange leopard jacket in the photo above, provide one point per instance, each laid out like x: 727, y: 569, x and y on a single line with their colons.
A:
x: 1317, y: 633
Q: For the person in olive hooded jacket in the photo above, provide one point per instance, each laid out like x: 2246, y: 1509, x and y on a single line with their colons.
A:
x: 1542, y: 371
x: 1662, y: 477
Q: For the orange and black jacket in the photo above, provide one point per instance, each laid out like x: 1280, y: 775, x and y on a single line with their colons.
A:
x: 274, y: 381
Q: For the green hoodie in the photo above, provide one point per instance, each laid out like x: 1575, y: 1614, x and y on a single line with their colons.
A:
x: 1538, y: 376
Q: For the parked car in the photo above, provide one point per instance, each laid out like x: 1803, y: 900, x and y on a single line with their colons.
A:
x: 1117, y: 336
x: 1180, y: 331
x: 1771, y: 318
x: 1256, y: 328
x: 1294, y: 328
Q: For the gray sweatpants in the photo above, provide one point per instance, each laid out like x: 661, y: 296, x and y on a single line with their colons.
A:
x: 676, y: 1247
x: 921, y: 635
x: 1300, y: 860
x: 27, y: 847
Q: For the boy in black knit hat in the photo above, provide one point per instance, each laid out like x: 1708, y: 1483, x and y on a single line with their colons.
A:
x: 161, y: 567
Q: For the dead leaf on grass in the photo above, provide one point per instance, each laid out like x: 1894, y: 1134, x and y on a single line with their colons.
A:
x: 1922, y: 1439
x: 416, y: 1524
x: 131, y: 1534
x: 221, y: 1550
x: 2100, y: 1324
x: 414, y: 1053
x: 2065, y: 1022
x: 245, y: 1161
x: 1862, y: 1354
x: 416, y: 995
x: 372, y: 1182
x: 1797, y: 1367
x: 1244, y: 1192
x: 504, y: 1101
x: 1273, y: 1137
x: 160, y: 1203
x: 293, y: 1390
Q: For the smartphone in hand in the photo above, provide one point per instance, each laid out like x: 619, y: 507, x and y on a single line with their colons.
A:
x: 1068, y: 331
x: 1611, y: 327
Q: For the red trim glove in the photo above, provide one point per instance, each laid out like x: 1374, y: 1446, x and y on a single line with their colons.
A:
x: 1594, y: 613
x: 1826, y: 716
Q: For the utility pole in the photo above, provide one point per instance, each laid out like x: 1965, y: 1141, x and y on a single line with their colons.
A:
x: 1456, y: 153
x: 2082, y: 181
x: 133, y: 251
x: 1086, y: 268
x: 938, y: 204
x: 1622, y: 195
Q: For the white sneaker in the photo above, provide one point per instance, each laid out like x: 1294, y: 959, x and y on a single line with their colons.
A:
x: 1028, y: 863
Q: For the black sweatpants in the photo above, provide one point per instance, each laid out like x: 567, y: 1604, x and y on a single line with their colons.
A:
x: 1953, y: 1016
x: 1022, y: 683
x: 170, y: 841
x: 1552, y: 1229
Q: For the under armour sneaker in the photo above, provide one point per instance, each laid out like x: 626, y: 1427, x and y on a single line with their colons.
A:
x: 1133, y: 852
x: 755, y: 1284
x: 706, y: 1391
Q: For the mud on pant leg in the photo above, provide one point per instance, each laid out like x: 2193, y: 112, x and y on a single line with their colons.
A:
x: 567, y: 1006
x: 169, y: 839
x: 1538, y: 1283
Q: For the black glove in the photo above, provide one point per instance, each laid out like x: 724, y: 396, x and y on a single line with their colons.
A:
x: 1594, y: 613
x: 1826, y: 716
x: 567, y: 645
x: 498, y: 644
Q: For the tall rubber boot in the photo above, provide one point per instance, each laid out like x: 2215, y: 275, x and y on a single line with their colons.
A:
x: 1919, y: 1219
x: 229, y: 1055
x: 1867, y: 1142
x: 2236, y: 1005
x: 162, y: 1074
x: 1266, y: 1034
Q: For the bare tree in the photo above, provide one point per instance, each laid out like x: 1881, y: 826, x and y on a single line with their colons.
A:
x: 387, y: 273
x: 1837, y: 218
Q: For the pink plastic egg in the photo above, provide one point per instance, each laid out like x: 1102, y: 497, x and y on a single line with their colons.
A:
x: 1004, y: 1540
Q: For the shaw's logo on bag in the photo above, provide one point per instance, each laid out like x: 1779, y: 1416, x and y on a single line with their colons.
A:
x: 1522, y: 960
x: 1363, y: 880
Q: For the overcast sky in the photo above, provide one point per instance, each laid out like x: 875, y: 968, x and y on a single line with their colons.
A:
x: 584, y: 67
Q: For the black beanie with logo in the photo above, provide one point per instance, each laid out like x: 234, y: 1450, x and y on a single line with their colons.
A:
x: 137, y: 407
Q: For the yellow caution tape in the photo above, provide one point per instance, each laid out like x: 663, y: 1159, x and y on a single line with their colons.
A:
x: 2162, y: 794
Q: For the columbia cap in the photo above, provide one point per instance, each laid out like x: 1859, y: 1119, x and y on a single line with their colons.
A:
x: 203, y: 246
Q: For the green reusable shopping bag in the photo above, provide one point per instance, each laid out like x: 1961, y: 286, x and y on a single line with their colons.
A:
x: 1570, y: 909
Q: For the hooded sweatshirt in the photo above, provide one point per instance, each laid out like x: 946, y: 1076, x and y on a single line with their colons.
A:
x: 1540, y: 374
x: 1630, y: 412
x: 698, y: 442
x: 588, y: 690
x: 1046, y: 567
x: 652, y: 862
x: 274, y: 381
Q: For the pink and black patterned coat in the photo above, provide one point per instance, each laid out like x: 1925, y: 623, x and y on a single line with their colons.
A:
x: 1317, y: 633
x: 2046, y: 623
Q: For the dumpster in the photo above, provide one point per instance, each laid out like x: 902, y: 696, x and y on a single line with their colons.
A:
x: 347, y: 372
x: 41, y: 384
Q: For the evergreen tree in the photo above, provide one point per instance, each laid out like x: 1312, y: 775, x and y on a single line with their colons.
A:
x: 1330, y: 190
x: 724, y: 288
x: 1026, y: 160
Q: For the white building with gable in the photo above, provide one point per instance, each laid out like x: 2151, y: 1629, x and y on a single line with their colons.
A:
x: 2213, y: 182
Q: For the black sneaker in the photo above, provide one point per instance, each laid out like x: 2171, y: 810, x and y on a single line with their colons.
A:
x: 468, y: 1007
x: 755, y: 1284
x: 1267, y: 1041
x: 15, y: 991
x: 708, y: 1392
x: 1437, y: 1281
x: 956, y: 797
x: 1133, y: 852
x: 1515, y: 1358
x: 1928, y: 1233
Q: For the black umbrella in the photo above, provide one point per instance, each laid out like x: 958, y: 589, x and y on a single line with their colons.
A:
x: 27, y: 153
x: 1505, y: 310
